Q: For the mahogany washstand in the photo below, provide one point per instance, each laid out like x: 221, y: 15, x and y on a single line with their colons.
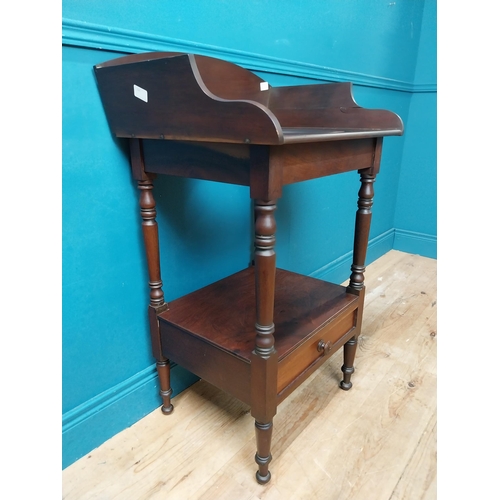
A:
x: 259, y: 333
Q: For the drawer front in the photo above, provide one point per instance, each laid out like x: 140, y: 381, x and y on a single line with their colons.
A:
x: 310, y: 352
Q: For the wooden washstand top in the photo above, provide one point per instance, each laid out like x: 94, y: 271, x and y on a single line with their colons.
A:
x: 187, y: 97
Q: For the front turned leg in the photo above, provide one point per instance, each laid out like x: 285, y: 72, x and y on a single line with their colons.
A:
x: 263, y: 434
x: 357, y: 278
x: 264, y: 358
x: 348, y: 366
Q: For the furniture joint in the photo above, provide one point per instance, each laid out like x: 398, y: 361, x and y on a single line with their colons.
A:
x: 160, y: 308
x: 264, y: 352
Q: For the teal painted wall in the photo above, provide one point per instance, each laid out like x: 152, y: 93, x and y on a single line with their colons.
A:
x: 416, y: 208
x: 109, y: 380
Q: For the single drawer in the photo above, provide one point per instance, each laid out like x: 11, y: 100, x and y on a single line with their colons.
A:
x: 320, y: 345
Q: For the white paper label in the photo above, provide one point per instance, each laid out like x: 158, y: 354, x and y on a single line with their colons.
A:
x: 140, y: 93
x: 264, y: 86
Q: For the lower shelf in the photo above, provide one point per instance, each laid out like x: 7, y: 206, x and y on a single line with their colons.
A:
x: 211, y: 331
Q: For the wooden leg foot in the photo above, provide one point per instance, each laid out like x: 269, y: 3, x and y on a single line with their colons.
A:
x: 347, y: 367
x: 263, y: 456
x: 167, y: 407
x: 346, y: 385
x: 261, y: 479
x: 163, y: 368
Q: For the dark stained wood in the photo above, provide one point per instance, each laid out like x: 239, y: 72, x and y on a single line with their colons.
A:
x: 154, y: 330
x: 312, y: 160
x: 237, y: 83
x: 137, y: 161
x: 264, y: 357
x: 362, y: 230
x: 265, y: 274
x: 357, y: 278
x: 163, y: 368
x: 259, y: 333
x: 150, y: 233
x: 206, y: 160
x: 266, y: 174
x: 300, y: 97
x: 328, y: 106
x: 174, y: 89
x: 348, y: 366
x: 263, y: 433
x: 231, y: 163
x: 207, y: 360
x: 302, y: 305
x: 192, y: 97
x: 377, y: 156
x: 149, y: 225
x: 156, y: 296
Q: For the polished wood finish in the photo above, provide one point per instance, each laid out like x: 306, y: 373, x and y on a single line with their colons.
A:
x: 262, y: 332
x: 362, y: 230
x: 357, y: 278
x: 156, y: 296
x: 264, y: 357
x: 302, y: 306
x: 306, y: 310
x: 376, y: 442
x: 230, y: 163
x: 177, y: 84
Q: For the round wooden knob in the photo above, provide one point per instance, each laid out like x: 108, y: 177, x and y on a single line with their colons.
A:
x: 324, y: 347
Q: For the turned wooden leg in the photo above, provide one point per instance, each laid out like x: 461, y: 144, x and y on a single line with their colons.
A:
x: 348, y: 366
x: 263, y: 434
x: 157, y: 302
x: 163, y: 368
x: 357, y: 278
x: 264, y: 360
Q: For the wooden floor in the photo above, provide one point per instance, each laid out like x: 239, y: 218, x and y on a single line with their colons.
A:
x: 374, y: 442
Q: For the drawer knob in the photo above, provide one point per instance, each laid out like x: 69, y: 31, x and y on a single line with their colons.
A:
x: 324, y: 347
